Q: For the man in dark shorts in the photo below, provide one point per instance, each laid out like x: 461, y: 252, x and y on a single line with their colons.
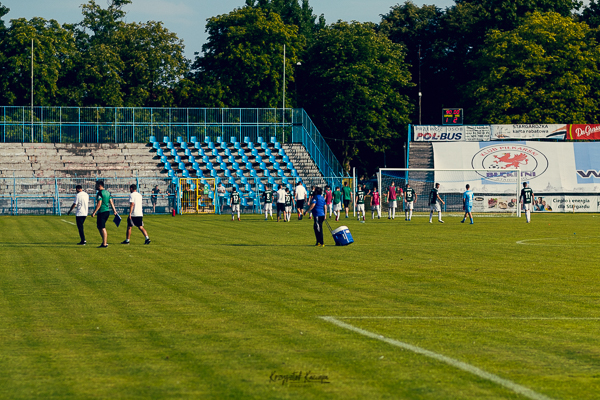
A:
x: 154, y: 197
x: 103, y: 205
x: 347, y: 192
x: 136, y: 216
x: 300, y: 197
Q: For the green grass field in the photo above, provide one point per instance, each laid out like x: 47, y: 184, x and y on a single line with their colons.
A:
x: 215, y: 309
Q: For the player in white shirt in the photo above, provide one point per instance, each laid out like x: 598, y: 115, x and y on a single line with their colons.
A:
x: 300, y: 198
x: 82, y: 201
x: 136, y: 215
x: 280, y: 203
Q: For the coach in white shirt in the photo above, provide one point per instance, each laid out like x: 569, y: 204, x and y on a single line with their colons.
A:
x: 299, y: 198
x: 82, y: 201
x: 280, y: 202
x: 136, y: 215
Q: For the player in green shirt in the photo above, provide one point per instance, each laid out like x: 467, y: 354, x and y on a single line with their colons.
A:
x: 410, y: 197
x: 526, y: 198
x: 347, y: 197
x: 360, y: 202
x: 267, y: 197
x: 103, y: 205
x: 337, y: 203
x: 234, y: 201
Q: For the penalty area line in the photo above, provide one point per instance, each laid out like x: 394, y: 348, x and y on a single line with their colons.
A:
x: 68, y: 222
x: 515, y: 387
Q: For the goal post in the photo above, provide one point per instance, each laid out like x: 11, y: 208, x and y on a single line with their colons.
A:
x: 495, y: 191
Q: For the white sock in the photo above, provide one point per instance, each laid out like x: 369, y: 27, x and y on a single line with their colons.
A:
x: 430, y: 216
x: 410, y: 214
x: 439, y: 215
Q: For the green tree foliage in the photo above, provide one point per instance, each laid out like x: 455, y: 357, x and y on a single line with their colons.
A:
x: 54, y: 49
x: 244, y: 56
x: 352, y: 86
x: 544, y: 71
x: 293, y: 12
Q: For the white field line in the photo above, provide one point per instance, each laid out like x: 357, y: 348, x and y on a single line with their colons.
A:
x: 68, y: 222
x: 484, y: 318
x: 522, y: 390
x: 564, y: 241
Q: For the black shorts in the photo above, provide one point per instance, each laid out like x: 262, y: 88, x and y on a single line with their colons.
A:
x: 346, y: 203
x: 300, y: 205
x: 153, y: 199
x: 101, y: 219
x: 135, y: 221
x: 280, y: 207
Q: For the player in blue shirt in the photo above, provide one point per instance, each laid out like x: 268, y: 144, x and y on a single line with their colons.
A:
x: 468, y: 204
x: 318, y: 209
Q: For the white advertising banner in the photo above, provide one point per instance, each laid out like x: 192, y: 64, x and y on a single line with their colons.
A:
x: 566, y: 203
x: 437, y: 133
x: 549, y: 167
x: 520, y: 132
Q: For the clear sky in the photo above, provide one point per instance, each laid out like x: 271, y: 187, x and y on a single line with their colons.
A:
x: 187, y: 18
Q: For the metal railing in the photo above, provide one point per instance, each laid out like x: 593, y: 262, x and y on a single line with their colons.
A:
x: 137, y: 125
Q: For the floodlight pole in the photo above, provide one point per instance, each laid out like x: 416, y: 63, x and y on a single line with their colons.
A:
x: 420, y: 94
x: 32, y: 89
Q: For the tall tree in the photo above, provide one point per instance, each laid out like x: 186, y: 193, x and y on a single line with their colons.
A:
x: 293, y: 12
x: 244, y: 56
x: 544, y: 71
x: 353, y: 87
x: 53, y: 52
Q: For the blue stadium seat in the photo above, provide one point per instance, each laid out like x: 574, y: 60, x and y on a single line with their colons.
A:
x: 277, y: 145
x: 197, y: 145
x: 201, y: 152
x: 179, y: 139
x: 206, y: 160
x: 285, y: 181
x: 246, y: 139
x: 152, y: 139
x: 244, y: 180
x: 181, y: 166
x: 233, y: 139
x: 228, y: 152
x: 188, y: 152
x: 211, y: 194
x: 260, y: 139
x: 219, y: 139
x: 171, y: 173
x: 211, y: 145
x: 272, y: 159
x: 271, y: 180
x: 163, y: 159
x: 280, y: 173
x: 258, y: 159
x: 254, y: 152
x: 214, y: 152
x: 177, y: 159
x: 235, y: 165
x: 191, y: 159
x: 253, y: 173
x: 245, y: 159
x: 273, y: 139
x: 196, y: 166
x: 237, y: 145
x: 247, y: 187
x: 193, y: 139
x: 166, y: 139
x: 268, y: 152
x: 207, y: 139
x: 173, y: 152
x: 160, y: 153
x: 174, y: 180
x: 227, y: 173
x: 223, y: 166
x: 155, y: 145
x: 170, y: 146
x: 186, y: 174
x: 264, y: 145
x: 263, y: 166
x: 286, y: 159
x: 249, y: 166
x: 295, y: 173
x: 250, y: 145
x: 213, y: 173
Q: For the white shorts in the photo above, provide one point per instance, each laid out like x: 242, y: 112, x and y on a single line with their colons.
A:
x: 337, y: 207
x: 288, y: 209
x: 392, y: 204
x: 436, y: 207
x: 409, y: 205
x: 235, y: 208
x: 360, y: 207
x: 330, y: 206
x: 375, y: 207
x: 268, y: 206
x: 527, y: 207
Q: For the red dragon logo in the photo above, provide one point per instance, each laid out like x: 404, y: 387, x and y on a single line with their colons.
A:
x: 511, y: 161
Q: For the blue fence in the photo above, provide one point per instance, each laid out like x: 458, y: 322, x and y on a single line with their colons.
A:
x: 136, y: 125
